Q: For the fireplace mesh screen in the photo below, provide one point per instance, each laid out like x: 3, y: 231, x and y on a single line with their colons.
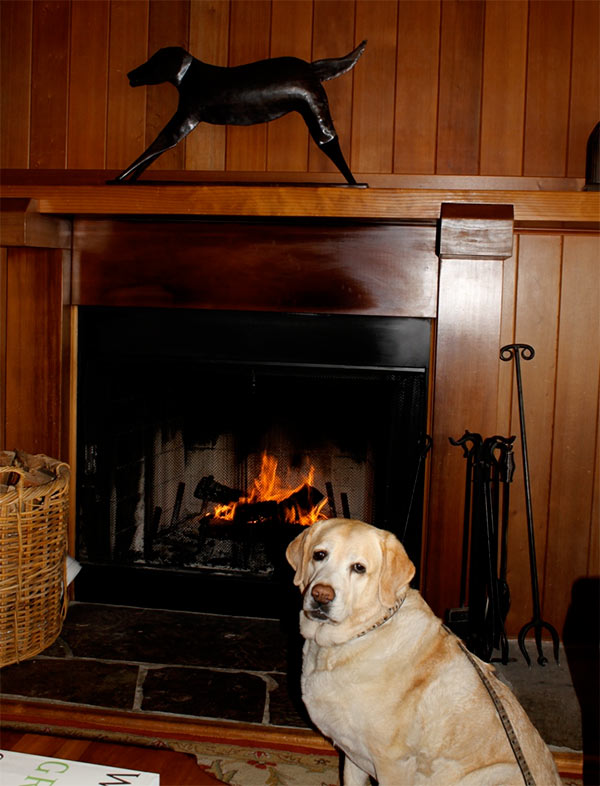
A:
x: 165, y: 440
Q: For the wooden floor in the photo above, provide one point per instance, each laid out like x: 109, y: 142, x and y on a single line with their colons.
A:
x: 175, y: 769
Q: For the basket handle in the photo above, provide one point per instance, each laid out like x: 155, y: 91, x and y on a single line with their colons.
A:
x: 56, y: 467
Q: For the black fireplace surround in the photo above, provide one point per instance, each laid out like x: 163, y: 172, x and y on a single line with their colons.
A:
x: 177, y: 408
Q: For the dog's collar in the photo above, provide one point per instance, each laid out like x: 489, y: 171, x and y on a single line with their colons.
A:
x: 388, y: 615
x: 187, y: 62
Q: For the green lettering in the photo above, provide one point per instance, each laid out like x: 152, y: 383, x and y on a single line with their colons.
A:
x: 33, y: 781
x: 43, y: 767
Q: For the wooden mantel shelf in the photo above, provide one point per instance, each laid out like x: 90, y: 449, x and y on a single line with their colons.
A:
x: 536, y: 208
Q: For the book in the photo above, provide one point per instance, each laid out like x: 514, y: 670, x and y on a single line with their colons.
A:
x: 24, y: 769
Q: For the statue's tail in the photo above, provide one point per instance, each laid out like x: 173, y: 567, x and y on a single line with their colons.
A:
x: 336, y: 66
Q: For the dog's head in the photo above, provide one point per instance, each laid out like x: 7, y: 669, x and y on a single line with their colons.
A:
x: 167, y: 65
x: 350, y: 573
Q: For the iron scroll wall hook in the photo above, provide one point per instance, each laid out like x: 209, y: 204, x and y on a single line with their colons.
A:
x: 527, y: 352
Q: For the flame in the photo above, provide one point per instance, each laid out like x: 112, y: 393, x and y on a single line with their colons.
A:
x: 267, y: 487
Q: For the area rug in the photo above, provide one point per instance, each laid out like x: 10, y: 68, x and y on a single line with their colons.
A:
x: 238, y: 765
x: 241, y: 765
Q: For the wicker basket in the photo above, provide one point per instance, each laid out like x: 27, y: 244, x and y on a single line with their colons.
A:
x: 33, y: 549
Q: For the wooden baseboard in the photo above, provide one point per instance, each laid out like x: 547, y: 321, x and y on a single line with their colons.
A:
x: 147, y: 729
x: 83, y: 721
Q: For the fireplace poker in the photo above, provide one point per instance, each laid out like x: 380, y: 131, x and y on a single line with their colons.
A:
x: 527, y: 352
x: 469, y: 454
x: 497, y: 470
x: 424, y: 446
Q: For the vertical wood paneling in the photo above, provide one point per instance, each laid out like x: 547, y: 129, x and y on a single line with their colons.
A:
x: 34, y: 323
x: 50, y: 78
x: 536, y: 319
x: 247, y: 146
x: 3, y: 340
x: 504, y: 73
x: 15, y: 76
x: 507, y: 336
x: 461, y: 57
x: 291, y: 35
x: 548, y: 80
x: 126, y: 105
x: 168, y: 26
x: 88, y: 85
x: 373, y: 105
x: 469, y: 319
x: 593, y: 567
x: 459, y: 87
x: 584, y: 110
x: 417, y: 81
x: 209, y: 41
x: 575, y: 423
x: 333, y: 36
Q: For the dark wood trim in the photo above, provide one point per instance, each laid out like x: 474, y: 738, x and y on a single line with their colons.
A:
x: 336, y: 268
x: 77, y: 721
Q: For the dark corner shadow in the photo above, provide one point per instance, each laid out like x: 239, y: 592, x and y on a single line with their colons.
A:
x: 581, y: 638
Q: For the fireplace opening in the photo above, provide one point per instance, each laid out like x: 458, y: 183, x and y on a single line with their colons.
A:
x: 207, y: 440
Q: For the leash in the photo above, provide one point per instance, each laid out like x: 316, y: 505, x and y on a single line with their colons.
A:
x: 508, y: 727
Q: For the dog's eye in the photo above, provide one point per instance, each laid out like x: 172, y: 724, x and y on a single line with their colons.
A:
x: 358, y: 567
x: 319, y: 555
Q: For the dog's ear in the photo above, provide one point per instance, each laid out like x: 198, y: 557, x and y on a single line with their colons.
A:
x: 396, y: 571
x: 297, y: 554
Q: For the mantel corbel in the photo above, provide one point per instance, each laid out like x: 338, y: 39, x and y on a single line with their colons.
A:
x: 23, y: 225
x: 475, y: 231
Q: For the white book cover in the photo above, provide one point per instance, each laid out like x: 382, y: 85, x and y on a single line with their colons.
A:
x: 23, y: 769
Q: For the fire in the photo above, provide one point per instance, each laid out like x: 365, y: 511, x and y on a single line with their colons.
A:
x: 267, y: 487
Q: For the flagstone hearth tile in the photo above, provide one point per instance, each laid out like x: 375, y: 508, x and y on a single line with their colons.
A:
x: 205, y: 693
x: 174, y: 638
x: 81, y: 682
x: 285, y: 704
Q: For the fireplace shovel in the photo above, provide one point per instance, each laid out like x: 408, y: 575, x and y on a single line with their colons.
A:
x: 527, y: 352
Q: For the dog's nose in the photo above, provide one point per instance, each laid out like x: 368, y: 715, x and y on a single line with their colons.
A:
x: 323, y: 593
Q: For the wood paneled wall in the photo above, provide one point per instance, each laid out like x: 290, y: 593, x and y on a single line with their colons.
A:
x: 551, y: 297
x: 546, y: 295
x: 448, y: 87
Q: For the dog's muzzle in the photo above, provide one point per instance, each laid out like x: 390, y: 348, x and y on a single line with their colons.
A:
x: 321, y: 597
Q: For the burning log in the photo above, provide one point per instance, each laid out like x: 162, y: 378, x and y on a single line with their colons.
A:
x: 267, y: 501
x: 289, y: 510
x: 210, y: 490
x: 299, y: 503
x: 256, y: 512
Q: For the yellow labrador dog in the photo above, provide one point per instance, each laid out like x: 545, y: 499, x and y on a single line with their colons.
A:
x: 389, y: 684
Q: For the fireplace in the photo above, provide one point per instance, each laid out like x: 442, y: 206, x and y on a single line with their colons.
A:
x: 208, y: 439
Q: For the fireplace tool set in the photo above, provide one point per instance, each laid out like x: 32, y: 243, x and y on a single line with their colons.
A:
x: 484, y: 592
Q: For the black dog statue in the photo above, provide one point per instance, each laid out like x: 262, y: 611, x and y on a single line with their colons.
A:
x: 242, y: 95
